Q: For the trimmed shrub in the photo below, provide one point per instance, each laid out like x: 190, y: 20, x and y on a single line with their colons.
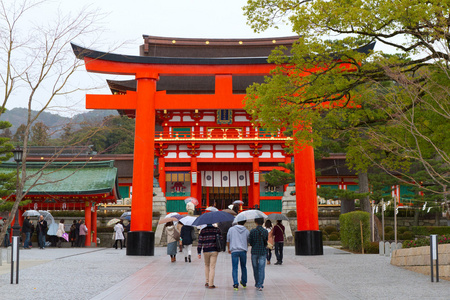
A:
x: 333, y: 236
x: 351, y: 231
x: 442, y: 239
x: 388, y: 229
x: 427, y: 230
x: 389, y: 236
x: 291, y: 214
x: 330, y: 229
x: 407, y: 235
x: 402, y: 229
x: 373, y: 248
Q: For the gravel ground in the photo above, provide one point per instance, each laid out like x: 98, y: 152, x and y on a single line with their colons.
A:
x: 82, y: 273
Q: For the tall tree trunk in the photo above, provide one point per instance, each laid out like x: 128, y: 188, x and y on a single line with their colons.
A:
x: 347, y: 206
x: 363, y: 182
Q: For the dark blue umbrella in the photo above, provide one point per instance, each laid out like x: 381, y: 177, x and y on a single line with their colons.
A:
x: 213, y: 217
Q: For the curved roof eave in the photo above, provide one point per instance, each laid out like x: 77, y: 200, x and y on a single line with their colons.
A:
x: 81, y: 53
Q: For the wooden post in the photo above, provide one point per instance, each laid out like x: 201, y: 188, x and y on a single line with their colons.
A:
x: 362, y: 236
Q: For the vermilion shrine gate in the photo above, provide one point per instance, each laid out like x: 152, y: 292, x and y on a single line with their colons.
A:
x: 189, y: 87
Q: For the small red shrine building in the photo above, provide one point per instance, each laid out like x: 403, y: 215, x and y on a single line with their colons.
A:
x: 69, y: 186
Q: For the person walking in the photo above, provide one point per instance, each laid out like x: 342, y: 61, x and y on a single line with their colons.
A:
x: 173, y: 236
x: 278, y: 233
x: 60, y: 232
x: 77, y: 233
x: 186, y: 240
x: 72, y: 234
x: 207, y: 242
x: 190, y: 207
x: 26, y: 229
x: 83, y: 231
x: 258, y: 240
x: 118, y: 237
x: 41, y: 228
x: 270, y: 241
x: 237, y: 243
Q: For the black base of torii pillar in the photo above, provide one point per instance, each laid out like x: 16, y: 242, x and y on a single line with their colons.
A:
x: 141, y: 243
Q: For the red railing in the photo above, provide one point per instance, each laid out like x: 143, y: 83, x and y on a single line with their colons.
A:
x: 219, y: 134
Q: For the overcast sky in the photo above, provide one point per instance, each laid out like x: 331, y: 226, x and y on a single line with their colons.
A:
x: 125, y: 22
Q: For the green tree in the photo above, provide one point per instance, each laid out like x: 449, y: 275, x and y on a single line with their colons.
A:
x: 401, y: 100
x: 39, y: 134
x: 19, y: 136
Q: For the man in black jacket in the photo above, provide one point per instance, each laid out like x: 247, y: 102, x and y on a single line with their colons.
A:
x: 41, y: 228
x: 26, y: 229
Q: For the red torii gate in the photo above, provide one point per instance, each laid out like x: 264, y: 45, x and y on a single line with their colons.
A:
x: 146, y: 100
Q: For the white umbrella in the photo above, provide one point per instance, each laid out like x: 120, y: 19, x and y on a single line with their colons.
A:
x: 249, y: 215
x: 31, y: 213
x: 211, y: 208
x: 238, y: 202
x: 188, y: 220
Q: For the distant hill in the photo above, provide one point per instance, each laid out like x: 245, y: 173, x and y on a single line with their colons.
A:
x: 18, y: 116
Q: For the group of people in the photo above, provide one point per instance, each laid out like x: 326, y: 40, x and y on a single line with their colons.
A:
x: 28, y: 228
x: 211, y: 241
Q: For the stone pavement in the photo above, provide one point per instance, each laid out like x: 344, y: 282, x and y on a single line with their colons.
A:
x: 105, y: 273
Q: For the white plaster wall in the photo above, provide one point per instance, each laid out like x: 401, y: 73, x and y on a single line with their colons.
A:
x: 224, y: 155
x: 205, y: 155
x: 243, y: 155
x: 224, y: 147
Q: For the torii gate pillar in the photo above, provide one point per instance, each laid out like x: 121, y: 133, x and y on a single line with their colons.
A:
x: 308, y: 237
x: 141, y: 240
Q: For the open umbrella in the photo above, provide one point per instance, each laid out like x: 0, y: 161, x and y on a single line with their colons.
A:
x: 238, y: 202
x: 47, y: 216
x: 187, y: 220
x: 249, y: 215
x: 167, y: 220
x: 126, y: 216
x: 211, y: 208
x: 230, y: 211
x: 276, y: 217
x: 191, y: 199
x: 174, y: 215
x: 65, y: 236
x: 213, y: 217
x: 112, y: 222
x: 31, y: 213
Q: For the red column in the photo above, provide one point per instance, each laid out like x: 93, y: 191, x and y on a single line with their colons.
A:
x: 94, y: 225
x: 256, y: 185
x: 194, y: 186
x: 142, y: 203
x: 87, y: 221
x: 305, y: 189
x: 162, y: 173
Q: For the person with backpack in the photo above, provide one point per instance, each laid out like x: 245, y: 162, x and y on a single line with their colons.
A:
x: 278, y: 233
x: 258, y: 240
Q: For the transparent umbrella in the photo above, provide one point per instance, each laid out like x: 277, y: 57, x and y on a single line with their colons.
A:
x: 47, y: 216
x: 249, y: 215
x: 31, y: 213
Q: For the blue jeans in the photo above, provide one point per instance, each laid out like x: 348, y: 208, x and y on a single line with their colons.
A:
x: 279, y: 251
x: 258, y: 264
x: 236, y: 257
x: 41, y: 240
x: 26, y: 244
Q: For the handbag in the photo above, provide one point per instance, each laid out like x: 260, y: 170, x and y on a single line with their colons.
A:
x: 219, y: 243
x: 269, y: 246
x: 176, y: 235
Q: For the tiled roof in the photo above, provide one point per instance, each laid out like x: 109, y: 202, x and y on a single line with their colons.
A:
x: 62, y: 178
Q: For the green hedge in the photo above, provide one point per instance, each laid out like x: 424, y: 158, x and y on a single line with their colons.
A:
x: 427, y: 230
x: 351, y: 231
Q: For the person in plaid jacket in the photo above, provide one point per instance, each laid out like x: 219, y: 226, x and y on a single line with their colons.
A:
x: 258, y: 240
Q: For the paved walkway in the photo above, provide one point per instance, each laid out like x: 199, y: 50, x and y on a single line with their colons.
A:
x: 105, y: 273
